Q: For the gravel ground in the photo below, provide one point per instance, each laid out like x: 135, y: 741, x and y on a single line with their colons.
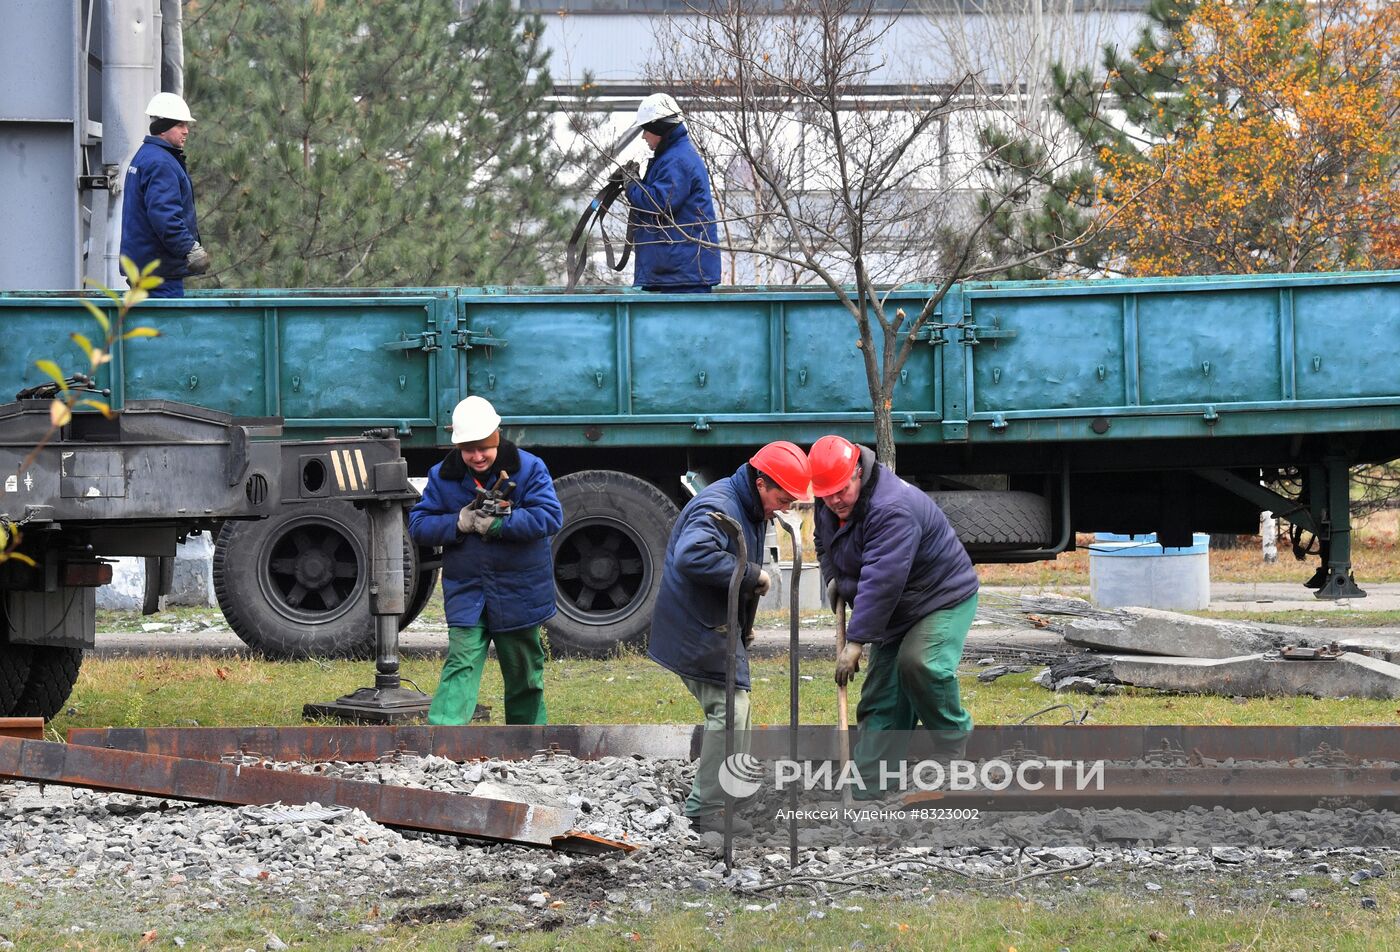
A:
x: 116, y: 854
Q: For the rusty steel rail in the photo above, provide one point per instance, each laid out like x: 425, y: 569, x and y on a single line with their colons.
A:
x: 1174, y: 789
x: 682, y: 742
x: 405, y: 808
x: 25, y: 728
x: 368, y: 743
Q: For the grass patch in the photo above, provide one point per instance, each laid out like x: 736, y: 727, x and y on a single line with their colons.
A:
x: 1205, y: 914
x: 171, y: 692
x: 1337, y: 618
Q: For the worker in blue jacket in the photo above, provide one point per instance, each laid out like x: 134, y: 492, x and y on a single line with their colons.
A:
x: 690, y: 624
x: 673, y: 212
x: 158, y: 216
x: 887, y: 550
x: 497, y: 567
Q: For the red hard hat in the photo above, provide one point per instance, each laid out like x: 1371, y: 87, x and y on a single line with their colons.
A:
x: 833, y: 460
x: 787, y: 464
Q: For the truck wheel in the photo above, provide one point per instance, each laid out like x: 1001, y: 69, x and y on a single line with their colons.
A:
x: 295, y: 585
x: 53, y: 670
x: 424, y: 584
x: 607, y: 561
x: 990, y: 522
x: 14, y: 673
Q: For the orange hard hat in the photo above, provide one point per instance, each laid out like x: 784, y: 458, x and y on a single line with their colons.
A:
x: 787, y: 465
x: 833, y: 460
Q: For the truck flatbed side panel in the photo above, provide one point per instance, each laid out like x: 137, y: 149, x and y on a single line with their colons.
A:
x: 1236, y: 356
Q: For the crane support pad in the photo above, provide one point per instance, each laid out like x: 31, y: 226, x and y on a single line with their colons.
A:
x: 404, y: 808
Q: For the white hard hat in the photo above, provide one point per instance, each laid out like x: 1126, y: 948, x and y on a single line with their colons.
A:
x: 657, y: 107
x: 168, y: 106
x: 474, y: 419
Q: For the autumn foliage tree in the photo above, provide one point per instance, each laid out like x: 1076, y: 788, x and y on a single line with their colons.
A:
x: 1262, y: 137
x: 1233, y: 136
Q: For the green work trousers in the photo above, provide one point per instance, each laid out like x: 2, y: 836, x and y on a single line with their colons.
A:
x: 706, y: 796
x: 911, y: 681
x: 522, y: 668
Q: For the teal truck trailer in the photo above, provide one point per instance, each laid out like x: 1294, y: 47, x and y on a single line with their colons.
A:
x: 1032, y: 410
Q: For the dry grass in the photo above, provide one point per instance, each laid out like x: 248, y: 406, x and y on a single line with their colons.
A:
x: 1375, y: 558
x: 1375, y: 555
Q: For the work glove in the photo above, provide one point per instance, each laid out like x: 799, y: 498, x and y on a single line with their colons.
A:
x: 764, y: 583
x: 836, y: 593
x: 471, y: 520
x: 622, y: 173
x: 848, y: 662
x: 197, y: 261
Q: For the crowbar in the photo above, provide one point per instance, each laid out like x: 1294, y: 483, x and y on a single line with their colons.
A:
x: 736, y: 579
x: 793, y: 583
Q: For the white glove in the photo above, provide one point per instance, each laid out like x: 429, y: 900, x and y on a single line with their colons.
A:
x: 471, y: 520
x: 197, y: 261
x: 763, y: 584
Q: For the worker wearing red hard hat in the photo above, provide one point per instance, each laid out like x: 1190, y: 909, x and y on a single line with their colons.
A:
x: 889, y: 552
x: 689, y: 633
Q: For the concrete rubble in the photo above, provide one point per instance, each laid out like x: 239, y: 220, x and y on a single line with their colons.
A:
x: 114, y: 855
x: 1262, y: 675
x: 1155, y: 632
x: 1169, y: 651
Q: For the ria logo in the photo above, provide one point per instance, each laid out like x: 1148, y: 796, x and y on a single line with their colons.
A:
x: 741, y: 775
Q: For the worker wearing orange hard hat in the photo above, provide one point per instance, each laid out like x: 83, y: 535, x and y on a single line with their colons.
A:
x: 889, y: 552
x: 689, y: 628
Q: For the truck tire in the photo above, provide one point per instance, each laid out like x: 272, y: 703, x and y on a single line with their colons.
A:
x: 607, y: 562
x: 991, y: 522
x: 424, y: 584
x: 14, y: 673
x: 53, y: 670
x: 296, y: 585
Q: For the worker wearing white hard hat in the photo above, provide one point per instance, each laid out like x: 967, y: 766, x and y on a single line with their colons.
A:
x: 158, y: 214
x: 492, y: 509
x: 673, y: 212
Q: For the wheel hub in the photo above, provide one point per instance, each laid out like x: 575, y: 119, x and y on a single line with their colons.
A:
x: 313, y: 570
x: 600, y: 569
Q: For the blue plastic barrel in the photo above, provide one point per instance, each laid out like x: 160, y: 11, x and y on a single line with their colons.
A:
x: 1138, y: 571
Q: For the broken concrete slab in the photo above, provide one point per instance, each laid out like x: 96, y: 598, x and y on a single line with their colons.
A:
x: 1260, y: 675
x: 1152, y: 631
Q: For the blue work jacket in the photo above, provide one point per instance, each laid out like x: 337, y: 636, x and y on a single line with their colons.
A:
x: 505, y: 582
x: 896, y: 560
x: 673, y: 212
x: 158, y: 217
x: 689, y: 626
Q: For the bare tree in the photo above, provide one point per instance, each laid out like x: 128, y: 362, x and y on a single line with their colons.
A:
x: 1011, y: 46
x: 833, y: 169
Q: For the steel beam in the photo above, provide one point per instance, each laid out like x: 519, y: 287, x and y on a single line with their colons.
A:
x: 405, y: 808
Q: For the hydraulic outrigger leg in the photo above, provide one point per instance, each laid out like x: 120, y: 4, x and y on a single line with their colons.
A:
x: 388, y: 702
x: 1332, y: 494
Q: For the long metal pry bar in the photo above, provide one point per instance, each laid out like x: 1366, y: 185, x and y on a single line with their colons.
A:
x: 731, y: 659
x: 794, y: 582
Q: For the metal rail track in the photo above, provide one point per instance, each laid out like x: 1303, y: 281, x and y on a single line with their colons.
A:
x: 406, y: 808
x: 1323, y: 746
x: 1167, y: 767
